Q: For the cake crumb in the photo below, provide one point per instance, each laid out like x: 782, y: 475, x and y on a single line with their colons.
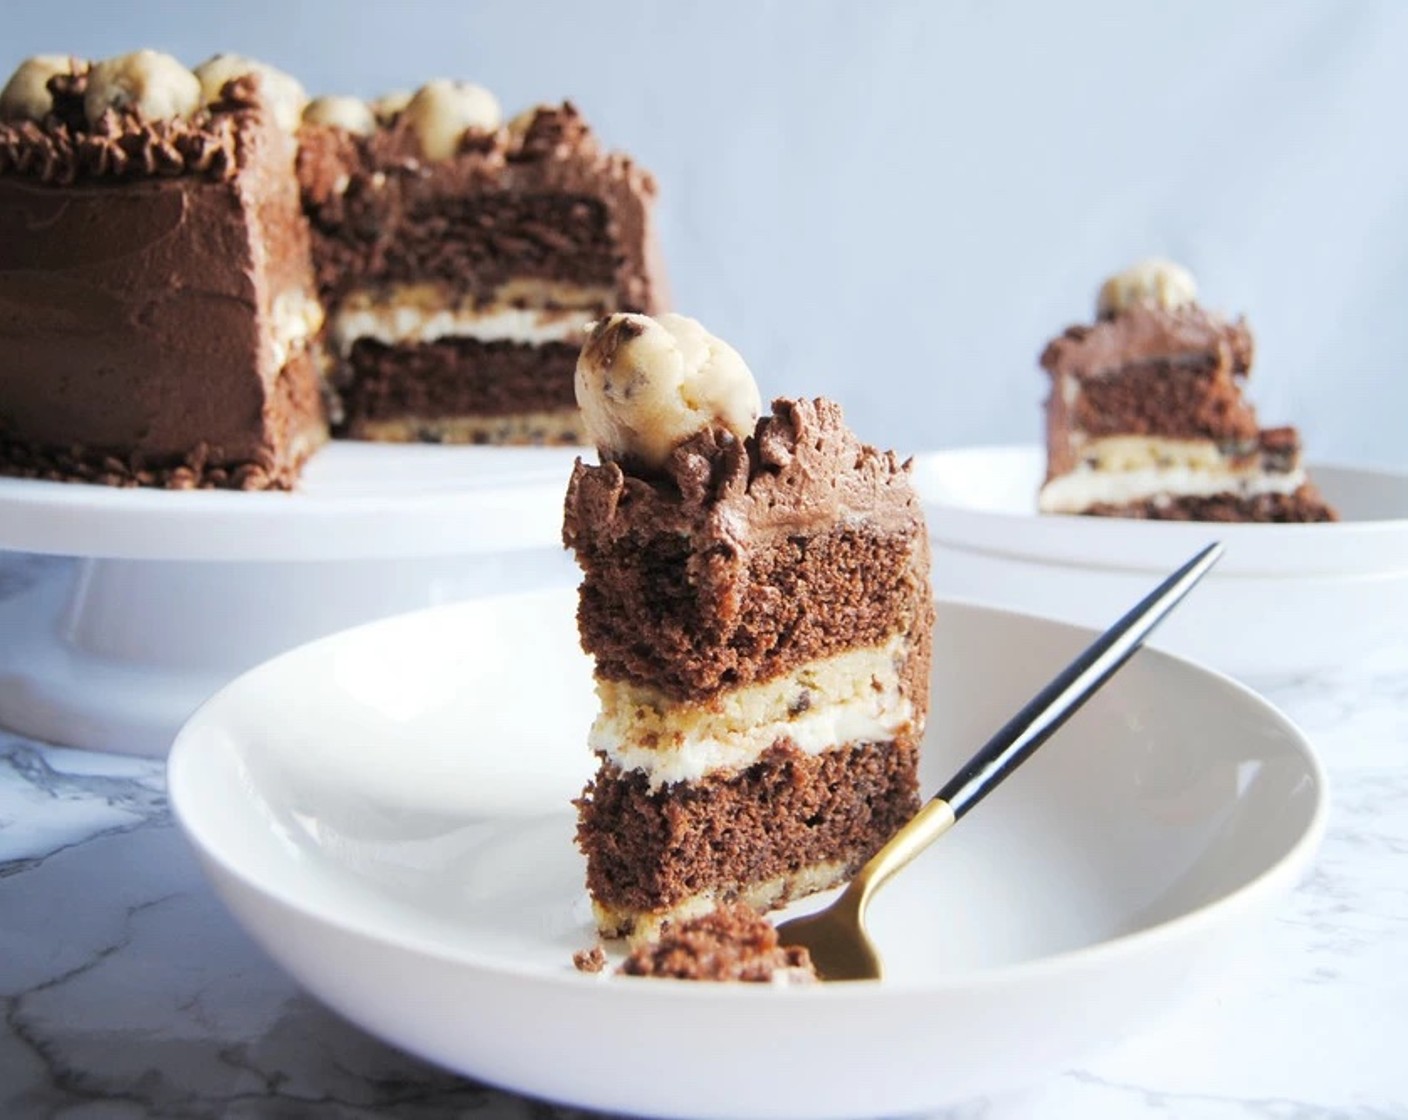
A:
x: 733, y: 942
x: 589, y: 960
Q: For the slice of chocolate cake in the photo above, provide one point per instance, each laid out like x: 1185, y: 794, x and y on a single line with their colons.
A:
x: 158, y: 318
x: 1147, y: 416
x: 755, y: 594
x: 461, y: 260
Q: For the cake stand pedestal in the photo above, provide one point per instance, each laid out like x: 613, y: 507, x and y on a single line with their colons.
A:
x: 169, y: 595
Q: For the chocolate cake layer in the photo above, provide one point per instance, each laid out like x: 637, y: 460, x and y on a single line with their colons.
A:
x: 157, y: 310
x: 648, y: 851
x: 801, y: 598
x: 544, y: 201
x: 1304, y: 505
x: 733, y: 942
x: 1142, y: 334
x: 1159, y: 398
x: 737, y: 565
x: 480, y: 242
x: 456, y: 377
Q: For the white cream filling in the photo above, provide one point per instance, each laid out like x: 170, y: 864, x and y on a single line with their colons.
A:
x: 398, y: 325
x: 854, y: 697
x: 1087, y: 486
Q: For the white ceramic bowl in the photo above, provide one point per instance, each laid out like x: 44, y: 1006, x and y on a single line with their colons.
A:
x: 387, y: 812
x: 1284, y: 599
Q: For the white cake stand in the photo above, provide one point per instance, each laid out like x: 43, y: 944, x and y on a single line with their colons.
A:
x: 175, y: 593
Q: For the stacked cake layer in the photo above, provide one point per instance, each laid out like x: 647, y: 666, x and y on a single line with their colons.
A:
x: 759, y: 611
x: 1147, y: 416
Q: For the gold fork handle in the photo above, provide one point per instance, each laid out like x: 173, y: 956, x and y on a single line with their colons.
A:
x: 922, y: 829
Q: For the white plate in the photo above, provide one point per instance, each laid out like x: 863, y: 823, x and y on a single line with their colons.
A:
x: 387, y: 812
x: 1283, y: 599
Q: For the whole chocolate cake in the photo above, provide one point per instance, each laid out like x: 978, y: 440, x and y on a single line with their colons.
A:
x: 158, y: 319
x: 755, y: 594
x: 1147, y: 417
x: 168, y: 319
x: 461, y: 261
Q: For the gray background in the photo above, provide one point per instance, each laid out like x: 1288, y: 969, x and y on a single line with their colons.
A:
x: 897, y: 203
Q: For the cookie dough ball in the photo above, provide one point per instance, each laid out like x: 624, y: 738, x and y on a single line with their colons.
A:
x: 441, y: 112
x: 351, y: 114
x: 646, y: 385
x: 285, y: 94
x: 1152, y: 283
x: 389, y: 104
x: 154, y: 84
x: 26, y: 95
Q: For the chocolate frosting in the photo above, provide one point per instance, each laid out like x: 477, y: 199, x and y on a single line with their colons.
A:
x: 64, y: 149
x: 802, y: 468
x: 1143, y: 335
x: 140, y: 263
x: 544, y: 201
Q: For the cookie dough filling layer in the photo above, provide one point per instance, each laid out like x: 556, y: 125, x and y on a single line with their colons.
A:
x: 416, y: 313
x: 1124, y: 470
x: 837, y: 702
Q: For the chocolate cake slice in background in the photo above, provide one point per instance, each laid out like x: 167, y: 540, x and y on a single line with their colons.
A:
x: 158, y: 319
x: 755, y: 594
x: 461, y: 261
x: 1147, y: 415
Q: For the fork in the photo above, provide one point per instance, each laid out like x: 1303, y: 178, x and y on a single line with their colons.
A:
x: 836, y: 936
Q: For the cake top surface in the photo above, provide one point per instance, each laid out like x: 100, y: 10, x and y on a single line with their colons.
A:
x: 683, y: 452
x: 801, y: 469
x: 53, y: 104
x: 453, y: 133
x: 732, y: 942
x: 139, y: 115
x: 1149, y: 315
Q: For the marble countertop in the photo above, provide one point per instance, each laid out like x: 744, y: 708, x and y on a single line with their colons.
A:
x: 126, y: 990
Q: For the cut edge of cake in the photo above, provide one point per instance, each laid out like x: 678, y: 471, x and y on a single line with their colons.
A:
x: 461, y: 259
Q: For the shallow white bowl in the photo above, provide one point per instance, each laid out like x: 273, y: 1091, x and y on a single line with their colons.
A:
x: 387, y: 812
x: 1284, y: 599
